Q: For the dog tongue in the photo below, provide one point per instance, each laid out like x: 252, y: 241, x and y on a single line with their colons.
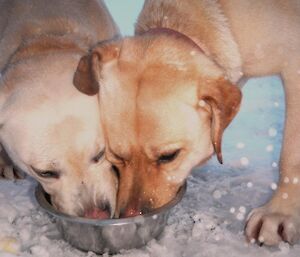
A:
x: 97, y: 214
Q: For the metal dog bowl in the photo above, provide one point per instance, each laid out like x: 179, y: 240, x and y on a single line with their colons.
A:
x: 109, y: 235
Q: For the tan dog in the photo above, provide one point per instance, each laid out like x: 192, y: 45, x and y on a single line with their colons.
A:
x: 168, y: 93
x: 49, y: 129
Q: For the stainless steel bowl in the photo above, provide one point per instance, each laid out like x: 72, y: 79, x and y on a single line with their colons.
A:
x: 110, y: 235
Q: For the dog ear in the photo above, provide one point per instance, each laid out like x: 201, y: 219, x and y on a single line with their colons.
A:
x: 85, y: 78
x: 224, y: 101
x: 87, y: 75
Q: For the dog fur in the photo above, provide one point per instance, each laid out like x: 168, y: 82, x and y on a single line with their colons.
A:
x: 49, y: 129
x: 168, y: 93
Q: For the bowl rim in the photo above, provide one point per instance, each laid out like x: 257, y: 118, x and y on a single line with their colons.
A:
x: 48, y: 208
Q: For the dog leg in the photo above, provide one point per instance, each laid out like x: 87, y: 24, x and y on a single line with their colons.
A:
x: 279, y: 219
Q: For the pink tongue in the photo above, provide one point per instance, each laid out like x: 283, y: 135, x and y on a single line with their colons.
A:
x: 97, y: 214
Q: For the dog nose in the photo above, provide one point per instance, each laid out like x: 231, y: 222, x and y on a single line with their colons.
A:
x: 97, y: 213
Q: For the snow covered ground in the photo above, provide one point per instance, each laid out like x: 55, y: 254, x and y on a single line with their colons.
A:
x: 210, y: 219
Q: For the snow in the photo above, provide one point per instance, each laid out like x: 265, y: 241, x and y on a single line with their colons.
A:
x: 269, y: 148
x: 249, y: 184
x: 285, y: 196
x: 210, y: 219
x: 273, y: 186
x: 202, y: 103
x: 201, y: 225
x: 244, y: 161
x: 286, y: 180
x: 272, y: 132
x: 240, y: 145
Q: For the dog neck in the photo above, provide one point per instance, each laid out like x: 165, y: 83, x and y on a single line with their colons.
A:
x: 46, y: 44
x: 203, y: 22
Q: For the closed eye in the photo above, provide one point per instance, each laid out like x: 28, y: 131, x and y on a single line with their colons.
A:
x: 168, y: 157
x: 115, y: 158
x: 99, y: 156
x: 46, y: 173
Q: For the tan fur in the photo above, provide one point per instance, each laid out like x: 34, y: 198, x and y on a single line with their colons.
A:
x: 155, y: 80
x: 46, y: 123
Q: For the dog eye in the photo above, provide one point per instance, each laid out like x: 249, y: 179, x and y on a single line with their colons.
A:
x: 49, y: 174
x: 169, y: 157
x: 99, y: 156
x: 46, y: 173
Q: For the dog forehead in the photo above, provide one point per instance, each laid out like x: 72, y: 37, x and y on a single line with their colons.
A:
x: 148, y: 104
x: 48, y: 133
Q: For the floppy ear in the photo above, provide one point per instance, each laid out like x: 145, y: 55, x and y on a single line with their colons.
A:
x: 87, y: 75
x: 224, y: 100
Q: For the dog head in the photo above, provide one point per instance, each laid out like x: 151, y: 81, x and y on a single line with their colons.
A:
x: 164, y: 107
x: 52, y: 131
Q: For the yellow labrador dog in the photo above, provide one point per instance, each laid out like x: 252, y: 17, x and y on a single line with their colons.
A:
x: 168, y: 93
x: 49, y: 129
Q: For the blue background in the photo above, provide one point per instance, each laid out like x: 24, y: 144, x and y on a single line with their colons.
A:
x: 125, y: 13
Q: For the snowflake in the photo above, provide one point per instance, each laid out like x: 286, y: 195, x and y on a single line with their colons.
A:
x: 201, y: 103
x: 285, y: 196
x: 272, y: 132
x: 240, y: 145
x: 286, y: 180
x: 269, y: 148
x: 240, y: 216
x: 242, y: 209
x: 170, y: 178
x: 249, y: 184
x: 244, y: 161
x: 274, y: 186
x: 217, y: 194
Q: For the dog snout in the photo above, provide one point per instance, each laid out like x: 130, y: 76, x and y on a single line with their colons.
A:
x: 133, y: 210
x: 130, y: 212
x: 82, y: 206
x: 98, y: 212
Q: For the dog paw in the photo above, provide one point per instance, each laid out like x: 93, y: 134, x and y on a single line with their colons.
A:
x: 7, y: 169
x: 267, y: 227
x: 11, y: 173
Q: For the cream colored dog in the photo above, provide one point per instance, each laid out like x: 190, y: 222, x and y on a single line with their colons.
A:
x: 49, y: 129
x: 168, y: 93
